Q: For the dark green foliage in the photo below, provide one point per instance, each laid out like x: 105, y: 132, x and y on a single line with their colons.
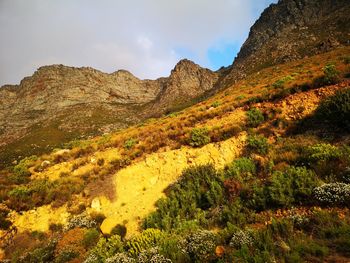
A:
x: 43, y: 191
x: 241, y: 167
x: 323, y: 152
x: 148, y: 238
x: 294, y: 186
x: 280, y: 83
x: 43, y: 254
x: 4, y: 223
x: 199, y: 137
x: 106, y: 248
x: 254, y: 117
x: 21, y: 173
x: 215, y: 104
x: 331, y: 74
x: 91, y: 237
x: 66, y: 256
x: 258, y: 144
x: 199, y: 189
x: 336, y: 109
x: 347, y: 60
x: 130, y: 143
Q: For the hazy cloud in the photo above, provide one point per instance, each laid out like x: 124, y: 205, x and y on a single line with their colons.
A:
x: 146, y: 37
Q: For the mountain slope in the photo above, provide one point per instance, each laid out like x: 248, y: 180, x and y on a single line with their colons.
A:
x: 290, y: 30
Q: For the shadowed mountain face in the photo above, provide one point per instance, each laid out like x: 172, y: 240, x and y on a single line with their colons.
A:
x: 67, y: 102
x: 290, y: 30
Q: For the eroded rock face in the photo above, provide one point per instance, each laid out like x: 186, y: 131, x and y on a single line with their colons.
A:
x: 75, y: 101
x: 290, y: 30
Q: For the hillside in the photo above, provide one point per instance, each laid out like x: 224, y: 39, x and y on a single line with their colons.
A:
x: 256, y: 171
x: 123, y: 175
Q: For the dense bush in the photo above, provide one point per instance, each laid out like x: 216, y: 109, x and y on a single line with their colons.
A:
x: 199, y: 189
x: 21, y: 173
x: 120, y: 258
x: 336, y: 109
x: 200, y: 246
x: 91, y: 237
x: 81, y: 220
x: 42, y: 254
x: 294, y: 186
x: 148, y: 238
x: 323, y: 152
x: 241, y: 167
x: 130, y: 143
x: 254, y: 117
x: 199, y: 137
x: 152, y: 255
x: 333, y: 194
x: 105, y: 248
x: 241, y: 238
x: 280, y: 83
x: 258, y: 144
x: 43, y: 191
x: 331, y: 74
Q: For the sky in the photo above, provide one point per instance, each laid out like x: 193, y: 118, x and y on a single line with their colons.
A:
x: 145, y: 37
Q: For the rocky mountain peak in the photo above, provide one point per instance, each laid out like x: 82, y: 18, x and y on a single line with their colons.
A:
x: 290, y: 30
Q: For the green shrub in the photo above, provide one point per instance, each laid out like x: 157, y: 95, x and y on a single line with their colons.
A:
x: 331, y: 74
x: 41, y: 254
x: 199, y: 189
x: 21, y: 173
x: 200, y: 246
x: 258, y: 143
x: 215, y: 104
x: 280, y: 83
x: 152, y: 255
x: 333, y: 194
x: 91, y: 237
x: 106, y: 248
x: 130, y: 143
x: 4, y: 223
x: 147, y: 239
x: 254, y: 117
x: 347, y: 60
x: 323, y: 152
x: 66, y: 256
x: 294, y: 186
x: 199, y: 137
x: 336, y: 109
x: 241, y: 167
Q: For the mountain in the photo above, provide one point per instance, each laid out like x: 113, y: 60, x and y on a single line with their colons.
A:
x: 291, y: 30
x: 257, y: 171
x: 59, y: 103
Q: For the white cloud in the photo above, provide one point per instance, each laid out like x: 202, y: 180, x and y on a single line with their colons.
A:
x: 142, y: 36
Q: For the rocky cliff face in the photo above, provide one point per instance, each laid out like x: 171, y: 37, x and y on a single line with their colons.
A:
x: 290, y: 30
x: 67, y: 101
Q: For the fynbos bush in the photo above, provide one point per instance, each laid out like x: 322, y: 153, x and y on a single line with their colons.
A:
x: 333, y: 193
x: 200, y: 245
x: 336, y: 109
x: 241, y: 238
x: 254, y: 117
x: 199, y: 137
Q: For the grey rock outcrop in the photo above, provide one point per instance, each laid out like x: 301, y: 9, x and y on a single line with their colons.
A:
x: 290, y: 30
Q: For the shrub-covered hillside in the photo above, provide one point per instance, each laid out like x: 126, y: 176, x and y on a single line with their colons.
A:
x: 148, y: 194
